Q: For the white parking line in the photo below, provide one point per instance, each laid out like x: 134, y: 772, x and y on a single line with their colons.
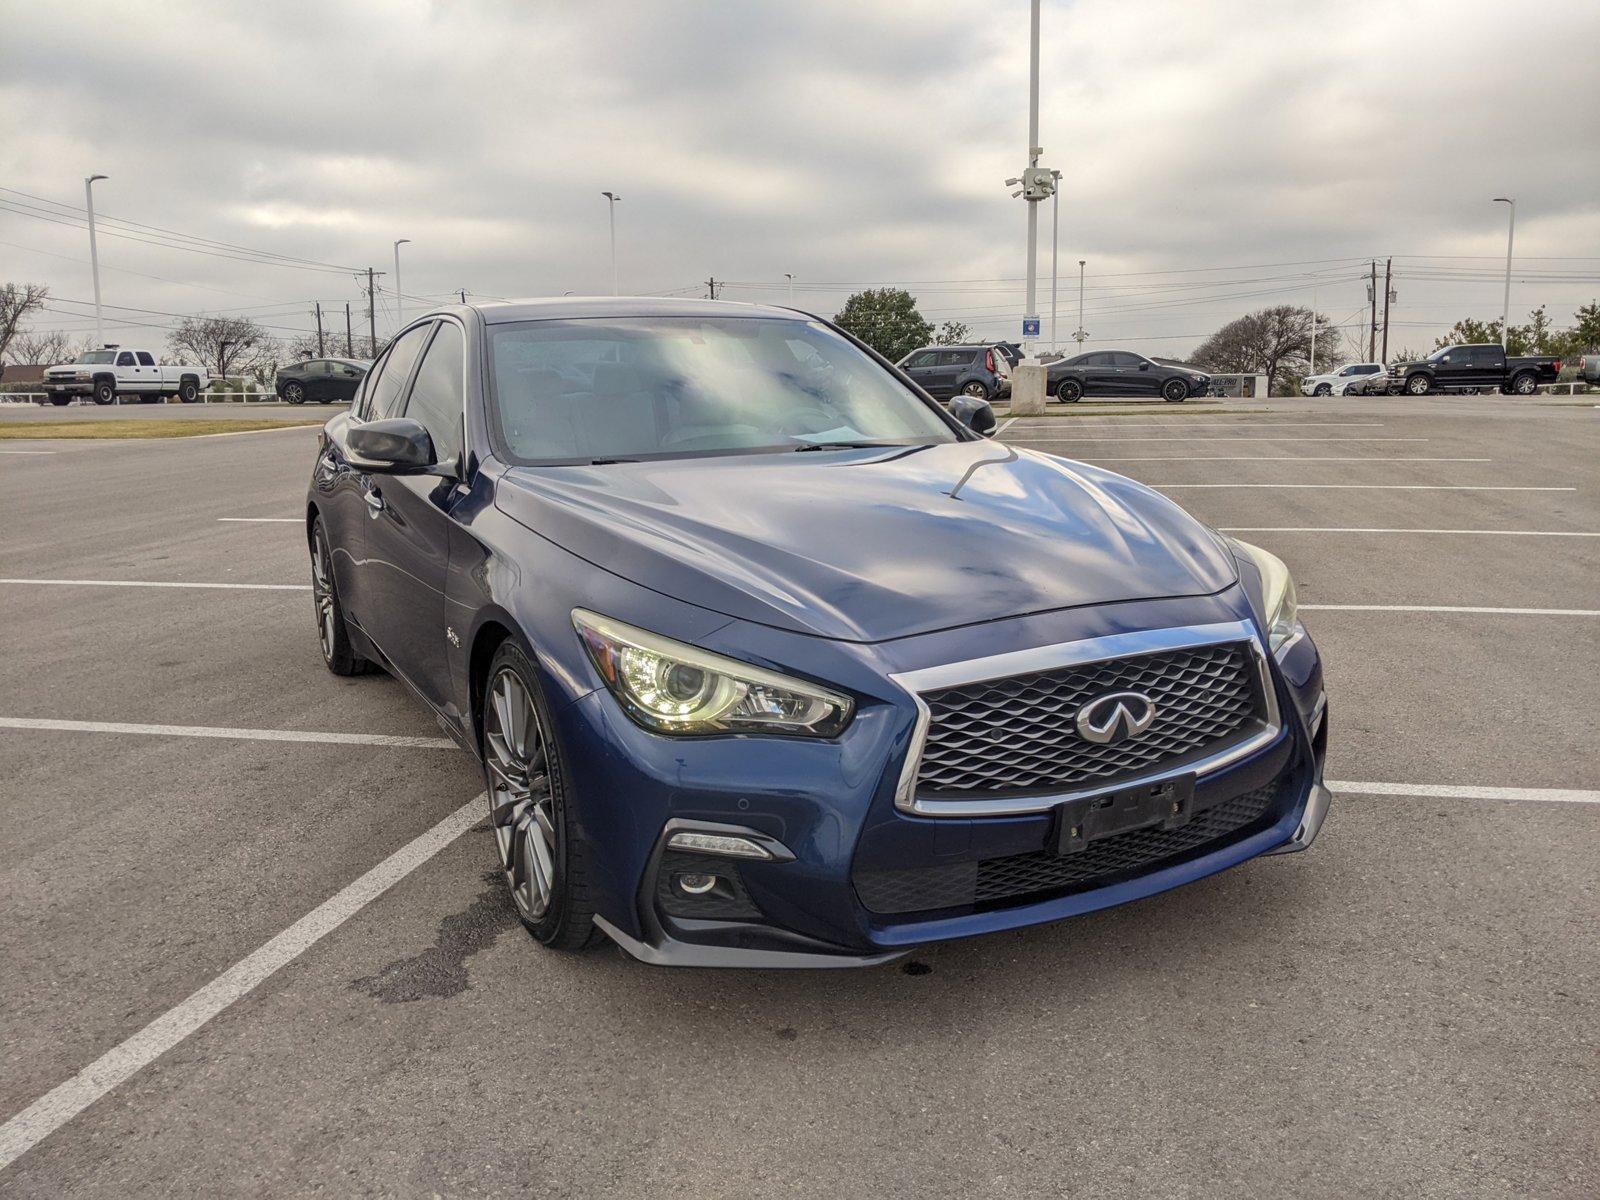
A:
x: 1469, y: 792
x: 1076, y: 440
x: 298, y: 520
x: 1246, y: 423
x: 1185, y: 458
x: 1325, y: 529
x: 1372, y: 487
x: 119, y: 1064
x: 27, y: 452
x: 1004, y: 425
x: 1451, y: 608
x: 221, y: 731
x: 149, y: 583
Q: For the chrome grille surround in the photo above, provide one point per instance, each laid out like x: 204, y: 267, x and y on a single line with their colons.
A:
x: 1259, y: 730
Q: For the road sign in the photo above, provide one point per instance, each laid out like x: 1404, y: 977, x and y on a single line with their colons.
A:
x: 1030, y: 327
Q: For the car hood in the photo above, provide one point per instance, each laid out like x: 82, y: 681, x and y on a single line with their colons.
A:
x: 872, y: 544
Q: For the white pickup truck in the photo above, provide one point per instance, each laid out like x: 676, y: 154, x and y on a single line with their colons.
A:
x: 103, y: 375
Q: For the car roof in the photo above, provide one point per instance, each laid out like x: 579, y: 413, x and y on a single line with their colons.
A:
x: 555, y: 308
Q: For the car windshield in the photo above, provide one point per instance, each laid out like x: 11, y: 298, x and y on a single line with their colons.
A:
x: 99, y: 356
x: 595, y: 389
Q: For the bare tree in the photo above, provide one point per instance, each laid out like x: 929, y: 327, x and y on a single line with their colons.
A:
x: 45, y: 347
x: 17, y: 300
x: 1275, y: 342
x: 225, y: 345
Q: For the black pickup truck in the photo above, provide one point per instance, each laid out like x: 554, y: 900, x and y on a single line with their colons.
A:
x: 1473, y: 368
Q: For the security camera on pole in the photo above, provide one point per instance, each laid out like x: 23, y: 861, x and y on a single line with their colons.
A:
x: 1028, y: 383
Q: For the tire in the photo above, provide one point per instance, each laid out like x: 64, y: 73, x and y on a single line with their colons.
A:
x: 1524, y: 384
x: 293, y: 393
x: 63, y: 401
x: 188, y: 392
x: 1418, y: 385
x: 1322, y: 389
x: 1174, y: 391
x: 976, y: 390
x: 543, y: 860
x: 105, y: 392
x: 338, y: 655
x: 1069, y: 391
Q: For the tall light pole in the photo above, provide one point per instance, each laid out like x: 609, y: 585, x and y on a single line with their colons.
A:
x: 1081, y: 335
x: 399, y: 297
x: 611, y: 208
x: 1033, y: 160
x: 1055, y: 252
x: 1511, y: 234
x: 790, y: 278
x: 94, y: 255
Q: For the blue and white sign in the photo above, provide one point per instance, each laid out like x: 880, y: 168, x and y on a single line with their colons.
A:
x: 1030, y: 327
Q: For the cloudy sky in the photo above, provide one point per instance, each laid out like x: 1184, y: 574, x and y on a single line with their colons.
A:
x: 1216, y: 156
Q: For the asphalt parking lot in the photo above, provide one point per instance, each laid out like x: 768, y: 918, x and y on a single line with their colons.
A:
x: 1407, y: 1009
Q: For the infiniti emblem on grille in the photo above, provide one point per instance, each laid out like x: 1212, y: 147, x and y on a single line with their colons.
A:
x: 1115, y: 717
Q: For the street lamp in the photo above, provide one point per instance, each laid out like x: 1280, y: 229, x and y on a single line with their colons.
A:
x: 611, y: 209
x: 1511, y: 234
x: 399, y: 297
x: 790, y: 278
x: 1081, y: 335
x: 94, y: 255
x: 1055, y: 251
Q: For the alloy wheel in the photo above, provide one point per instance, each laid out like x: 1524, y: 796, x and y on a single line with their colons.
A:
x: 521, y: 802
x: 322, y: 593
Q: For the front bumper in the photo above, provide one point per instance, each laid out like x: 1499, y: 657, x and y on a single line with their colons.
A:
x: 831, y: 805
x: 68, y: 387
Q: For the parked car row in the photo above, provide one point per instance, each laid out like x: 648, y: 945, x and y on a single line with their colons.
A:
x: 1468, y: 369
x: 984, y: 372
x: 112, y: 371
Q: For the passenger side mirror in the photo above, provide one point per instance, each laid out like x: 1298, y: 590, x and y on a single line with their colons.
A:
x: 975, y: 414
x: 393, y: 446
x: 1144, y: 366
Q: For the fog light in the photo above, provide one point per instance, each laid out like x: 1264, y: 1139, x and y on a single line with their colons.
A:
x: 697, y: 885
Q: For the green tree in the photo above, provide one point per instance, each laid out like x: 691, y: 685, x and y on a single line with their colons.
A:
x: 1585, y: 335
x: 1470, y: 331
x: 887, y: 320
x: 953, y: 333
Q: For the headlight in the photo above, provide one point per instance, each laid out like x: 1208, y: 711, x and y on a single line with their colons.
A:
x: 669, y: 687
x: 1277, y: 586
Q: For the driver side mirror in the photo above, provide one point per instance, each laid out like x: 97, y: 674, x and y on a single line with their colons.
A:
x: 975, y: 414
x: 392, y: 446
x: 1144, y: 366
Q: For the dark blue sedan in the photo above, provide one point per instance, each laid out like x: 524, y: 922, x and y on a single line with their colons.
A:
x: 771, y: 661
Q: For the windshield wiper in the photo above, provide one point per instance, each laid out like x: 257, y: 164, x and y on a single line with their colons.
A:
x: 606, y: 462
x: 845, y: 446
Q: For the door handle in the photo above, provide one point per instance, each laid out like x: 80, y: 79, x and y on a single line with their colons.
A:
x: 374, y: 501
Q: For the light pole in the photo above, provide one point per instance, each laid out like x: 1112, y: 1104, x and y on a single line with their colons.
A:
x: 1511, y: 234
x: 1033, y: 160
x: 399, y: 298
x: 611, y: 208
x: 1081, y: 335
x: 94, y: 254
x: 790, y: 278
x: 1055, y: 252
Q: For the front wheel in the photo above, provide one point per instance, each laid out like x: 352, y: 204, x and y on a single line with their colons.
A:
x: 105, y: 392
x: 544, y: 862
x: 1322, y: 389
x: 1418, y: 385
x: 338, y: 655
x: 1174, y: 391
x: 63, y: 401
x: 1069, y: 391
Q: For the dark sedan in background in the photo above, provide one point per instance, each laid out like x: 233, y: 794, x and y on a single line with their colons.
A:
x: 771, y: 661
x: 323, y: 380
x: 1123, y: 373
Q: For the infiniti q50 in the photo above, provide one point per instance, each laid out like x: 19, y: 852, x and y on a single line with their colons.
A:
x: 770, y: 660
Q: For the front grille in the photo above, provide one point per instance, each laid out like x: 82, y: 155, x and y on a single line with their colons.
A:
x: 1033, y: 876
x: 1017, y: 735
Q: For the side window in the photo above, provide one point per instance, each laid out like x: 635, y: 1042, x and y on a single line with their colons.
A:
x: 145, y: 359
x: 924, y: 359
x: 1367, y: 369
x: 383, y: 393
x: 1099, y: 360
x: 437, y: 399
x: 1130, y: 361
x: 954, y: 358
x: 1486, y: 356
x: 125, y: 359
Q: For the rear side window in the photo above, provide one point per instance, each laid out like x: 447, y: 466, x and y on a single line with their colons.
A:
x: 125, y: 359
x: 954, y: 358
x: 383, y: 393
x: 145, y: 360
x: 1486, y: 356
x: 437, y: 398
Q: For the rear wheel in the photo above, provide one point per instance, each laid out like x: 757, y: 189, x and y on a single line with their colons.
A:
x: 1524, y: 384
x: 188, y: 391
x: 1174, y: 391
x: 338, y: 654
x: 544, y: 862
x: 976, y: 390
x: 63, y: 401
x: 1069, y: 391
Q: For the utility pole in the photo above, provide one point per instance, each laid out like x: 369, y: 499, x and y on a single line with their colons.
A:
x: 1313, y: 368
x: 790, y: 278
x: 1372, y: 332
x: 1511, y: 236
x: 94, y: 256
x: 321, y: 353
x: 1388, y: 276
x: 611, y: 209
x: 399, y: 300
x: 372, y: 307
x: 1082, y: 334
x: 711, y: 288
x: 349, y: 339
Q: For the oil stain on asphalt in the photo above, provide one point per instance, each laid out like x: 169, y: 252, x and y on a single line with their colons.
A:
x: 440, y: 971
